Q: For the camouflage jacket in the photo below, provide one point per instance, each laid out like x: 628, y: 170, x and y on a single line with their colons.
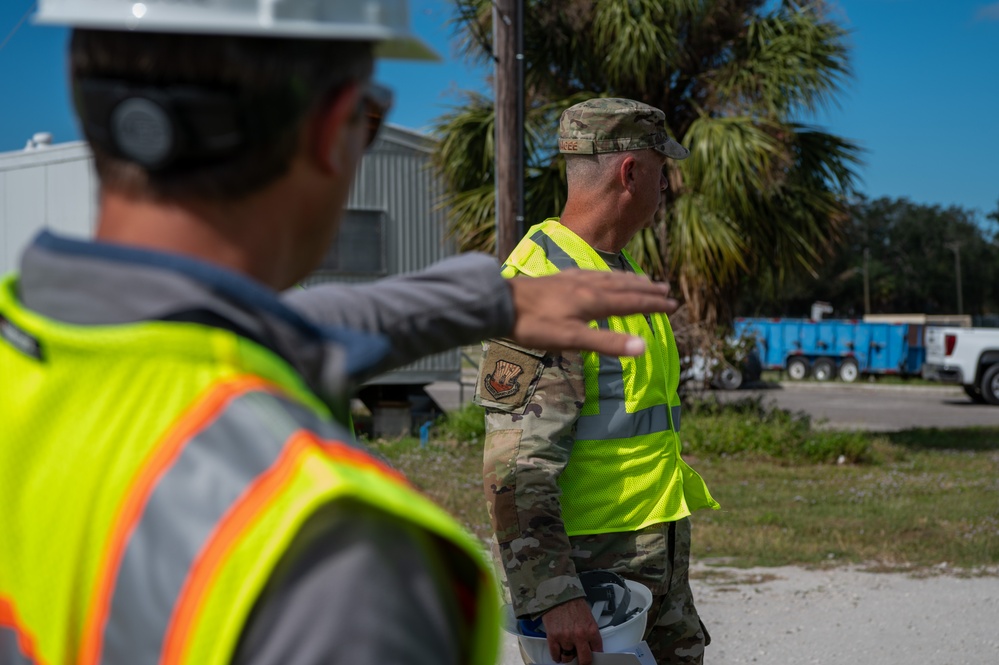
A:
x: 532, y: 401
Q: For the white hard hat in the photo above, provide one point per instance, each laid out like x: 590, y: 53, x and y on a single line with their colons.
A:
x: 620, y: 608
x: 385, y: 22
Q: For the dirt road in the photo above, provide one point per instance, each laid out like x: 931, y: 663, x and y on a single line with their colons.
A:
x: 793, y: 616
x: 875, y: 407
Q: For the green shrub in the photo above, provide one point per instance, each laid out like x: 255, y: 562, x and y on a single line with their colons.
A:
x: 465, y: 426
x: 748, y: 428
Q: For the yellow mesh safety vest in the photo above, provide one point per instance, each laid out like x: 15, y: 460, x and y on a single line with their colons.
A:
x: 625, y: 471
x: 151, y: 478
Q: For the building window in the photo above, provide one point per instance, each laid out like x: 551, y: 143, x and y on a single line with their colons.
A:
x: 359, y: 248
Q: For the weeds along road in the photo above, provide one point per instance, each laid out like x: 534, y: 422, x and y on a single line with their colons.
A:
x: 872, y: 407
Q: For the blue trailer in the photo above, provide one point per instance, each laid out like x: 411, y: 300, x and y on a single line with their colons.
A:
x: 825, y: 349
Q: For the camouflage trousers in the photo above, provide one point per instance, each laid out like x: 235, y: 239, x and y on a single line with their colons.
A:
x: 658, y: 557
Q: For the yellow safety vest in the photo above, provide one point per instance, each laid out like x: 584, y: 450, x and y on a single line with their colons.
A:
x: 152, y: 476
x: 625, y: 471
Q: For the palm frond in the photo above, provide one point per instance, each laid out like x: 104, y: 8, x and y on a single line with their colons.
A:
x: 791, y: 61
x: 471, y: 218
x: 704, y: 241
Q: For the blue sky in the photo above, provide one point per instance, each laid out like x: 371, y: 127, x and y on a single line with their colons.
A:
x: 924, y: 102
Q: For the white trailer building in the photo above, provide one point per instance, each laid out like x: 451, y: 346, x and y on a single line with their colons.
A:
x: 393, y: 225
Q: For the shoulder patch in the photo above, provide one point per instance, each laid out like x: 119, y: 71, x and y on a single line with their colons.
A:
x: 508, y: 374
x: 502, y: 382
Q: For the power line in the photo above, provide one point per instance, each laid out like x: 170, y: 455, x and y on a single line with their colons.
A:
x: 19, y: 24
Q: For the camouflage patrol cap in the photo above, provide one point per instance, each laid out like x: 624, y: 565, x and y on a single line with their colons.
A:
x: 610, y: 124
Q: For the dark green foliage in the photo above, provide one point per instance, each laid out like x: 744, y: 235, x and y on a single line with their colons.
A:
x: 762, y: 196
x: 911, y: 264
x: 932, y: 438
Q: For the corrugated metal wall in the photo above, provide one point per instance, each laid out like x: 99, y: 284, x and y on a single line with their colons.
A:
x: 395, y: 176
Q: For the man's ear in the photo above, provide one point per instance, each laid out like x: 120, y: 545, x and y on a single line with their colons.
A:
x: 626, y: 172
x: 332, y: 129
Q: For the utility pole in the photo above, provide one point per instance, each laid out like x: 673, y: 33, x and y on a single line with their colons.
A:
x: 508, y: 46
x: 867, y: 281
x: 955, y: 247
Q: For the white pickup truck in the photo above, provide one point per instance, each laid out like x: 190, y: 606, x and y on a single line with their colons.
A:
x: 969, y: 356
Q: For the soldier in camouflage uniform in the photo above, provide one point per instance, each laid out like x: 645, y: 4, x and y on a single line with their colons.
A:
x: 534, y: 400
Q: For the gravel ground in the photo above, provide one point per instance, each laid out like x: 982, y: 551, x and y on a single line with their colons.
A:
x: 794, y: 616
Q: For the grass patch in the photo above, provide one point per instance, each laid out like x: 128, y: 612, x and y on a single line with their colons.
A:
x: 923, y: 509
x: 790, y: 495
x: 451, y: 475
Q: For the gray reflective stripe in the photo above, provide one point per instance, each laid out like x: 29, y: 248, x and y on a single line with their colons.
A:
x: 10, y: 650
x: 555, y: 254
x: 610, y: 376
x: 208, y: 476
x: 614, y: 422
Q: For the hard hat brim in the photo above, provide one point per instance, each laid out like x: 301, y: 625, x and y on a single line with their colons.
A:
x: 389, y: 42
x: 406, y: 48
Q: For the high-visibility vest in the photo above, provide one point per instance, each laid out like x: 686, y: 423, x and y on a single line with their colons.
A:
x: 625, y: 471
x: 152, y: 475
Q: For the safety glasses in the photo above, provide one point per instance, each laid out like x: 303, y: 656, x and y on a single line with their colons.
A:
x: 376, y: 101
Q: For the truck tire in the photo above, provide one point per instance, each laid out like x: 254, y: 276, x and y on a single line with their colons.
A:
x: 990, y: 384
x: 728, y: 378
x: 798, y: 368
x: 849, y: 371
x: 974, y: 394
x: 824, y: 369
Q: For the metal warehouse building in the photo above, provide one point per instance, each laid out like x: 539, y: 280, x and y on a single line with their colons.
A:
x: 393, y: 225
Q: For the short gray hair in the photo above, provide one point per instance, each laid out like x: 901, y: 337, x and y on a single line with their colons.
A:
x: 589, y: 170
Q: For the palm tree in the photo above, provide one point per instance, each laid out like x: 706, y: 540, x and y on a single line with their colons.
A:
x: 762, y: 197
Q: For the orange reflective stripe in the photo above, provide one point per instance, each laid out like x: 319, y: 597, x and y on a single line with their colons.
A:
x: 350, y: 455
x: 25, y: 642
x: 236, y: 523
x: 160, y: 458
x: 227, y: 535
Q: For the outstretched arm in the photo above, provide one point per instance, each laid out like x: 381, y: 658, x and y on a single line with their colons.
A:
x: 455, y: 302
x: 463, y: 300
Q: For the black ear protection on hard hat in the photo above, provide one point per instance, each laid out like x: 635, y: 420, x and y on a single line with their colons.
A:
x: 165, y: 127
x: 607, y: 592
